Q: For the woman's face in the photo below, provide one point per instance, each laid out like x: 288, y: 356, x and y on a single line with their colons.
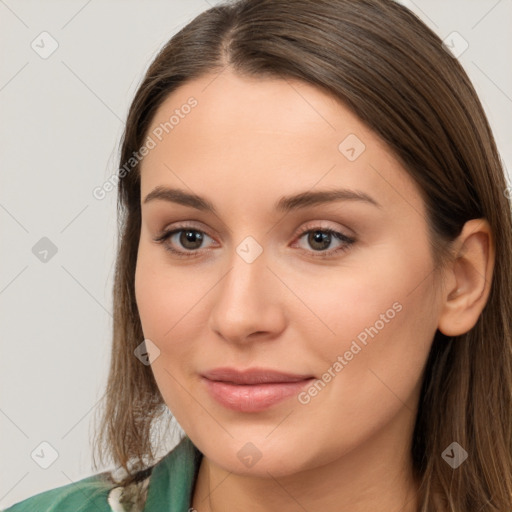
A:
x: 266, y: 286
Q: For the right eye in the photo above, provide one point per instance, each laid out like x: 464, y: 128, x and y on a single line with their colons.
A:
x: 189, y: 238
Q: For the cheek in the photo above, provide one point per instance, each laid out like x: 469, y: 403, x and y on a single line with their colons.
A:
x: 346, y: 308
x: 379, y: 319
x: 382, y: 334
x: 164, y: 301
x: 150, y: 295
x: 173, y: 308
x: 163, y: 294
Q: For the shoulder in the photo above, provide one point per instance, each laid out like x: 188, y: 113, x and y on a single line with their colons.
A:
x: 88, y: 494
x: 169, y: 484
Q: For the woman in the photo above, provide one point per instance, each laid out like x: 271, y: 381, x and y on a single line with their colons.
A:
x: 312, y: 276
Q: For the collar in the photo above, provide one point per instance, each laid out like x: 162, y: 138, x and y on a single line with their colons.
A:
x: 166, y: 486
x: 173, y: 479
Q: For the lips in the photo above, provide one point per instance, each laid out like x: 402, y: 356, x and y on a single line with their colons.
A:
x: 252, y: 390
x: 252, y: 376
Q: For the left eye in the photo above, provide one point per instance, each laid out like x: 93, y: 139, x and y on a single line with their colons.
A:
x: 191, y: 239
x: 322, y: 238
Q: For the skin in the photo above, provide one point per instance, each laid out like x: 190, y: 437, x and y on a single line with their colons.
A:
x: 247, y: 143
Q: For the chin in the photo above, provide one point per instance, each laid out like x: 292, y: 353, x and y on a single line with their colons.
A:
x: 259, y: 459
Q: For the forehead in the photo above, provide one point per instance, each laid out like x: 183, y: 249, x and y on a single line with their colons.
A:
x: 266, y: 136
x: 240, y: 109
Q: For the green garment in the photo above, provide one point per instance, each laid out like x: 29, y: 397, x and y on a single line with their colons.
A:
x: 169, y: 485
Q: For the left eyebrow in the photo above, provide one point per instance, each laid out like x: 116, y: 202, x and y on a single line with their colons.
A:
x: 310, y: 198
x: 285, y: 204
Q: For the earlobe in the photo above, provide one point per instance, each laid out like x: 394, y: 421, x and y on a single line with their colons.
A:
x: 470, y: 277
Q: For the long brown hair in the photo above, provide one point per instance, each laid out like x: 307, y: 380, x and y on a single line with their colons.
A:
x: 392, y: 71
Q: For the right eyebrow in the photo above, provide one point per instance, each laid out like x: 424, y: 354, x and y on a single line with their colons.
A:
x: 175, y: 195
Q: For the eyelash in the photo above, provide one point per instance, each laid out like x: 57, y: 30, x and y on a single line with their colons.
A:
x: 348, y: 241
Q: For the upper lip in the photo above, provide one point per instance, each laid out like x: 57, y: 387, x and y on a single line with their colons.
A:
x: 252, y: 376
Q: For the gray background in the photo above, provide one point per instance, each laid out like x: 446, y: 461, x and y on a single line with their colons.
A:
x: 62, y: 118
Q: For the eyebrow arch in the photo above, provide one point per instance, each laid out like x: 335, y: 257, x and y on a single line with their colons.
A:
x: 285, y: 204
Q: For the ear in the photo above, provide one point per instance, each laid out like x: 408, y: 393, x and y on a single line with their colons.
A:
x: 468, y: 278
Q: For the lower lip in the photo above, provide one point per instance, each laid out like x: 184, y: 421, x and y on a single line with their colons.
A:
x: 253, y: 397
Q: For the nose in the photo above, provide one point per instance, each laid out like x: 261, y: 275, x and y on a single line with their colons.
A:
x: 248, y: 302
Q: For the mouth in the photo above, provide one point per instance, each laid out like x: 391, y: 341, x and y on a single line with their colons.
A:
x: 252, y: 390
